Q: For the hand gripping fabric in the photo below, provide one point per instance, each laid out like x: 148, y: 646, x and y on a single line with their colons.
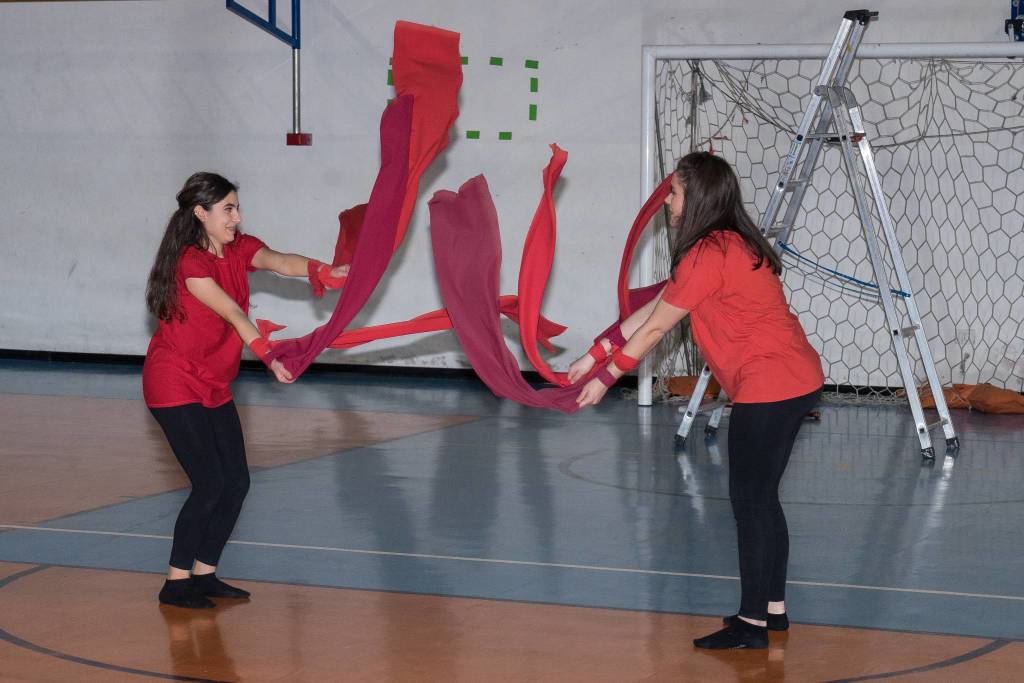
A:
x: 313, y: 271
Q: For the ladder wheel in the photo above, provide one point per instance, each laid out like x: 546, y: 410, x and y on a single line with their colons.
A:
x: 928, y: 453
x: 710, y: 431
x: 953, y: 444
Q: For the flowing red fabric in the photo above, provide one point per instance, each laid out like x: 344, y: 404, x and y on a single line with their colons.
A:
x: 373, y: 251
x: 426, y: 63
x: 535, y: 267
x: 467, y: 256
x: 434, y: 321
x: 427, y: 72
x: 647, y: 211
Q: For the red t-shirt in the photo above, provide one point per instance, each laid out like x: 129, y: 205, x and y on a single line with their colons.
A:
x: 194, y: 360
x: 741, y: 322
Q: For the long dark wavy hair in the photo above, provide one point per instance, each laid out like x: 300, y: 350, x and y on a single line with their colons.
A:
x: 184, y: 229
x: 713, y: 202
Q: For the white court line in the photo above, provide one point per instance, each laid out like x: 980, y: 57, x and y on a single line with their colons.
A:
x: 528, y: 563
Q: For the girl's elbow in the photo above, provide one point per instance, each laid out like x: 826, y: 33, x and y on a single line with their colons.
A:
x: 655, y: 334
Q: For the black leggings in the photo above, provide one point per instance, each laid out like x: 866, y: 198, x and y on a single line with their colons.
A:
x: 208, y: 443
x: 761, y: 437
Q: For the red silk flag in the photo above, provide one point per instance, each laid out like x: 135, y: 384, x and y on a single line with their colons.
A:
x: 433, y: 321
x: 647, y: 211
x: 467, y: 254
x: 535, y: 267
x: 426, y: 64
x: 374, y: 248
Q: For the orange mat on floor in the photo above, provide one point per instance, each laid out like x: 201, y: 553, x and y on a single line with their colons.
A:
x: 983, y: 397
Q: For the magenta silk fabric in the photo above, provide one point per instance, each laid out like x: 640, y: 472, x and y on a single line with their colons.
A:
x: 467, y: 257
x: 376, y: 241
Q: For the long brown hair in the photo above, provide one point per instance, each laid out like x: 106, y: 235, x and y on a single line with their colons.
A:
x: 184, y: 229
x: 713, y: 202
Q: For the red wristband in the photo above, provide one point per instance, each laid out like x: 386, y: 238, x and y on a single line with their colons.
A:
x: 261, y: 347
x: 624, y: 362
x: 605, y: 377
x: 598, y: 353
x: 313, y: 269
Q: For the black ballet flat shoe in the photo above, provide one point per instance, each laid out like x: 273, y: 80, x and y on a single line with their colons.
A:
x: 739, y: 635
x: 776, y: 622
x: 182, y: 593
x: 210, y: 586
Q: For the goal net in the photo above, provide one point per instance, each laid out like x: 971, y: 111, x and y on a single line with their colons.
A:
x: 948, y: 137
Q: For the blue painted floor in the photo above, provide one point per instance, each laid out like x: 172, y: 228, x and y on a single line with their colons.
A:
x: 598, y: 509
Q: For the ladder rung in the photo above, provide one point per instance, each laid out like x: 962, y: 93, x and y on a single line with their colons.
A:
x: 933, y: 425
x: 833, y: 138
x: 910, y: 331
x: 795, y: 184
x: 706, y: 407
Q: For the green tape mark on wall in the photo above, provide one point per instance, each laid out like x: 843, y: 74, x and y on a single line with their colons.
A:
x: 504, y: 135
x: 391, y: 77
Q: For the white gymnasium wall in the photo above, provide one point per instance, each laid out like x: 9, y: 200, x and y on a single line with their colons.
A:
x: 106, y: 107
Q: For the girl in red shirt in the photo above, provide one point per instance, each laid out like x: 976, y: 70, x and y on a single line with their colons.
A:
x: 725, y: 277
x: 199, y: 291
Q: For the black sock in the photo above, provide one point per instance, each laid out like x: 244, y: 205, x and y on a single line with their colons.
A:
x: 739, y: 634
x: 209, y: 585
x: 182, y: 593
x: 176, y: 588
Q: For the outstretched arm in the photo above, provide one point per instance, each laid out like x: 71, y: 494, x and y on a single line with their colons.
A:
x: 663, y: 318
x: 209, y: 293
x: 292, y: 265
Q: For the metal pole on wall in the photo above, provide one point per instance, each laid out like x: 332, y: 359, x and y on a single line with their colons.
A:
x: 294, y: 137
x: 644, y: 396
x: 296, y: 92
